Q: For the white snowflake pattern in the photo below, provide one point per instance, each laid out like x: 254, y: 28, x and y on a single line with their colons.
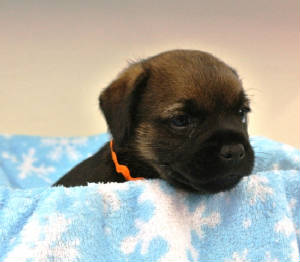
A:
x: 236, y: 257
x: 247, y: 223
x: 296, y: 158
x: 295, y: 251
x: 288, y: 149
x: 163, y: 215
x: 27, y: 167
x: 256, y: 186
x: 292, y: 203
x: 10, y: 157
x: 291, y: 151
x: 61, y: 146
x: 275, y: 168
x: 298, y: 232
x: 111, y: 201
x: 7, y: 136
x: 269, y: 258
x: 285, y: 226
x: 44, y: 242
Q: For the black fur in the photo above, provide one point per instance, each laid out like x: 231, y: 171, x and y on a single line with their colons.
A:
x: 143, y: 108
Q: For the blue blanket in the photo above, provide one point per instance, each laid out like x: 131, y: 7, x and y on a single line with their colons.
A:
x: 259, y: 220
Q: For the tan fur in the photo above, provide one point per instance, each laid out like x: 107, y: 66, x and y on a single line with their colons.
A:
x: 144, y: 143
x: 143, y: 107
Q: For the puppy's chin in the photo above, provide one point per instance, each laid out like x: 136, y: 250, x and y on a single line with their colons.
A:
x: 220, y: 184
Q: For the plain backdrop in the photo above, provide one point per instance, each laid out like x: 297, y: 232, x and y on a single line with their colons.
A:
x: 56, y: 56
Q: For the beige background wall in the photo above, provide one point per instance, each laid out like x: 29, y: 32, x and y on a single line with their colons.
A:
x: 56, y: 56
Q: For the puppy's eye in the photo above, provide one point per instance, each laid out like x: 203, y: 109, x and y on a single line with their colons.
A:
x: 180, y: 121
x: 243, y: 114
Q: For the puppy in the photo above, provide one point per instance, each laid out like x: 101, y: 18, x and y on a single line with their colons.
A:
x: 180, y: 116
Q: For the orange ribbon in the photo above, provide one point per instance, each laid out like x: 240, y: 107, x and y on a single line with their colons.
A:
x: 122, y: 169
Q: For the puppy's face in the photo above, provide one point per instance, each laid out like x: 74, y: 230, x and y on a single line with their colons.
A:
x: 187, y: 118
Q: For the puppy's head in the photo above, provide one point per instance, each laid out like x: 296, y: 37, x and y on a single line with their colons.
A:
x: 184, y: 113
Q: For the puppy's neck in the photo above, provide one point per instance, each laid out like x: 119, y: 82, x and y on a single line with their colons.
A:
x: 121, y: 169
x: 124, y: 157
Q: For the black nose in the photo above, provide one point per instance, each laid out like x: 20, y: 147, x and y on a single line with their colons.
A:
x: 232, y: 154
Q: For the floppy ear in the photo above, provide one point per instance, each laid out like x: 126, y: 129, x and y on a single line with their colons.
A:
x: 119, y: 101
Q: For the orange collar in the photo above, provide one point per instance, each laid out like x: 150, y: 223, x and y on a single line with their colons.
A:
x: 122, y: 169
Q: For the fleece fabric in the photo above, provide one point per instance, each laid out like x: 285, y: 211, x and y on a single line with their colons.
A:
x: 147, y: 220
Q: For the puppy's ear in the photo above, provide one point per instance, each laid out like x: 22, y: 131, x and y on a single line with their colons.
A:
x: 119, y: 100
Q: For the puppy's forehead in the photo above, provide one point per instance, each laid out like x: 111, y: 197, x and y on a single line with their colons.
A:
x: 195, y: 76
